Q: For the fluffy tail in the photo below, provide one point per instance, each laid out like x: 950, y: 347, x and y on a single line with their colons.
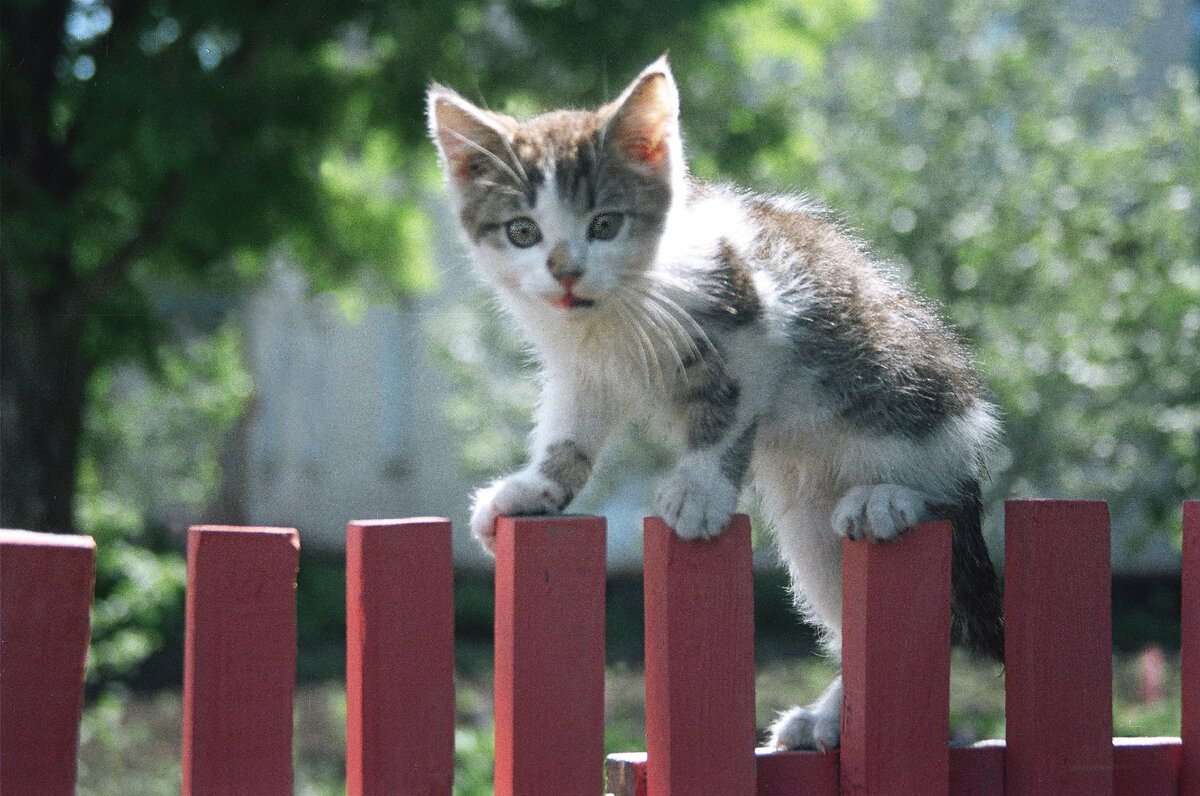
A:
x: 976, y: 601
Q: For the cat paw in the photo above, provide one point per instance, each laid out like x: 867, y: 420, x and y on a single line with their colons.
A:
x: 802, y: 728
x: 818, y: 726
x: 523, y: 493
x: 878, y: 513
x: 696, y: 504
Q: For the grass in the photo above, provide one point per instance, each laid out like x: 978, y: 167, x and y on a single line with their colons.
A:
x: 130, y: 742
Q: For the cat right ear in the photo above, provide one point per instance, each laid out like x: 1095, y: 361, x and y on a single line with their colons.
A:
x: 467, y: 137
x: 645, y: 120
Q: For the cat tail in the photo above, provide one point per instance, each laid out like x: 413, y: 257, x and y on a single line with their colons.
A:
x: 976, y: 599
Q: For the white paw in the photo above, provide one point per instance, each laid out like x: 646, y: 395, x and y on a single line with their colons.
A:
x: 878, y: 513
x: 695, y: 502
x: 521, y: 493
x: 818, y: 726
x: 803, y: 728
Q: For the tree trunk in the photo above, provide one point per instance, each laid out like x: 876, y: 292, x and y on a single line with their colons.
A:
x: 43, y: 384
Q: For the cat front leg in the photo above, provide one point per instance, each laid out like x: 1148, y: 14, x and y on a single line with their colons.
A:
x: 701, y: 493
x: 696, y: 499
x: 880, y: 512
x: 568, y: 434
x: 717, y: 421
x: 545, y: 487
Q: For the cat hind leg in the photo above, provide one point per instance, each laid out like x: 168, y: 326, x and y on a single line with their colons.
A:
x: 814, y: 558
x: 817, y: 726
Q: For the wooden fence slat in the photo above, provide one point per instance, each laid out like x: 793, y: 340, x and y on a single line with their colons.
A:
x: 977, y: 770
x: 1058, y: 651
x: 896, y: 663
x: 1189, y: 774
x: 399, y: 657
x: 46, y: 583
x: 1146, y: 766
x: 1141, y: 767
x: 699, y: 661
x: 796, y: 773
x: 241, y: 648
x: 777, y: 773
x: 549, y: 681
x: 239, y: 671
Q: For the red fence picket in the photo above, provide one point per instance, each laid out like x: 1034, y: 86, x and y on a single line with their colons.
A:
x: 1146, y: 766
x: 1190, y: 652
x: 45, y: 594
x: 1059, y: 672
x: 399, y: 657
x: 699, y: 661
x: 239, y: 671
x: 549, y: 678
x: 1058, y: 647
x: 895, y: 722
x: 798, y: 773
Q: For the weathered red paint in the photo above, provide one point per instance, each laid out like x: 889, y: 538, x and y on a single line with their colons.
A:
x: 1058, y: 650
x: 1189, y: 775
x: 399, y: 657
x: 239, y: 672
x: 896, y: 663
x: 699, y: 661
x: 549, y: 681
x: 46, y: 585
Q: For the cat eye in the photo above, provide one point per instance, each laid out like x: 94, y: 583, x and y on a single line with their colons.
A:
x: 605, y: 226
x: 523, y: 232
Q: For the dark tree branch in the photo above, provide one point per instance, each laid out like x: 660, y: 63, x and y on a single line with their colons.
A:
x: 32, y: 54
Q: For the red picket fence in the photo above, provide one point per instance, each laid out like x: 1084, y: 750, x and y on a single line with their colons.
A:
x: 549, y: 679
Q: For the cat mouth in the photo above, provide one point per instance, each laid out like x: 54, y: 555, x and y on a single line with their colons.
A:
x: 569, y: 301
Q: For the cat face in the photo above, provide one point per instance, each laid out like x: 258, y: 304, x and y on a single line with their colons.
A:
x: 565, y: 209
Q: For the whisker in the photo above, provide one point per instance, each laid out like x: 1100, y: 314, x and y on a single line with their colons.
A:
x: 516, y: 160
x: 697, y: 337
x: 641, y: 344
x: 648, y: 330
x: 669, y: 331
x: 494, y: 157
x: 674, y: 316
x: 502, y: 188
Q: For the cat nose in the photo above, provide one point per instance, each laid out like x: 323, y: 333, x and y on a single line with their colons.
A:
x: 564, y: 268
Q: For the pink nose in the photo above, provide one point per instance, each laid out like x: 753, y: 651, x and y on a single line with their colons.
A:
x: 568, y: 282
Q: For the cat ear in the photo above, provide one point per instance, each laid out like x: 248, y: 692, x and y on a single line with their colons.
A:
x: 467, y: 137
x: 645, y: 123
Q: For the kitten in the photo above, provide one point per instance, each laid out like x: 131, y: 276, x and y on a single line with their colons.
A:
x: 762, y: 340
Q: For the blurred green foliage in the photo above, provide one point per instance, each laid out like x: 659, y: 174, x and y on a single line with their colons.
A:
x: 153, y: 147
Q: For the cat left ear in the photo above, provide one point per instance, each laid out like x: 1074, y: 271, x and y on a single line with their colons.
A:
x: 645, y: 123
x: 466, y: 136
